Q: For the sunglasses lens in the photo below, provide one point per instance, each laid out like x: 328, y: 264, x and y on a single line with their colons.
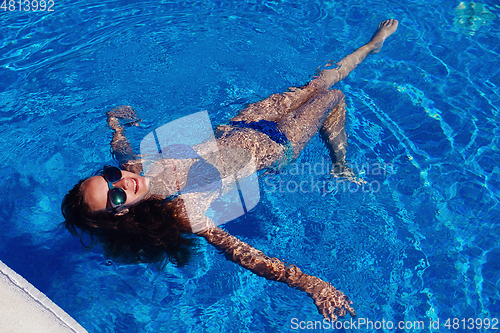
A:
x: 117, y: 196
x: 112, y: 174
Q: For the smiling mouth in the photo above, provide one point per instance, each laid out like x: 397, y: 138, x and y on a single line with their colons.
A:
x: 136, y: 187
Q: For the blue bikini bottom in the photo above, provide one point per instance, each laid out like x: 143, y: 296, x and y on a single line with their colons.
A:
x: 264, y: 126
x: 271, y: 129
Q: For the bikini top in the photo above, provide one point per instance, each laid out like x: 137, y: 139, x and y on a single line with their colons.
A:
x: 221, y: 185
x: 180, y: 169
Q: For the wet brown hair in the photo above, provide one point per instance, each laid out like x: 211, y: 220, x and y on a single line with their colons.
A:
x: 153, y: 231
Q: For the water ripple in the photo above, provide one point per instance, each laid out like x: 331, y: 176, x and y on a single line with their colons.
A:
x: 428, y: 105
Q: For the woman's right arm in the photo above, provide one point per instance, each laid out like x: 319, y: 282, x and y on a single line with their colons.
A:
x: 329, y: 301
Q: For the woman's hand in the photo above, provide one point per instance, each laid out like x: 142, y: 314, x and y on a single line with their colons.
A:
x: 330, y: 301
x: 123, y: 112
x: 122, y: 150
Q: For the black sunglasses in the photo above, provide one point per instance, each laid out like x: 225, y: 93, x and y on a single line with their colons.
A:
x: 117, y: 196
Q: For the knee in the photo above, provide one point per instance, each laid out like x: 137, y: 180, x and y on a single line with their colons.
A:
x: 336, y: 94
x: 333, y: 97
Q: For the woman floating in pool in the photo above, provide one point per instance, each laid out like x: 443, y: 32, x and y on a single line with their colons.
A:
x: 137, y: 224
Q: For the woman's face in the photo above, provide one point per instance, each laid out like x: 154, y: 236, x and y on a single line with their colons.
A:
x: 97, y: 191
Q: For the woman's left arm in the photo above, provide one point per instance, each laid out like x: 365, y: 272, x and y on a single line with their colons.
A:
x: 329, y: 301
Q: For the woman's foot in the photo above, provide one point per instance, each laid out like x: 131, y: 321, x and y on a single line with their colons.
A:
x: 343, y: 171
x: 384, y: 30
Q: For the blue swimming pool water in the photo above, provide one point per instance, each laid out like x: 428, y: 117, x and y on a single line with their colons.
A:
x: 423, y: 124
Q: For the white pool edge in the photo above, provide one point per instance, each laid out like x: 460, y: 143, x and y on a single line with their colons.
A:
x: 23, y: 308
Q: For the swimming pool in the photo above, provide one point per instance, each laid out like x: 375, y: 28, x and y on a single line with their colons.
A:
x: 423, y: 120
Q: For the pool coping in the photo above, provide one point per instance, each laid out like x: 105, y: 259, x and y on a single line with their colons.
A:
x: 23, y: 308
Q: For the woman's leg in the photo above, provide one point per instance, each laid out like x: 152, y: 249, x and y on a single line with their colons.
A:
x: 325, y: 112
x: 328, y: 77
x: 302, y: 112
x: 333, y: 133
x: 277, y: 106
x: 303, y: 123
